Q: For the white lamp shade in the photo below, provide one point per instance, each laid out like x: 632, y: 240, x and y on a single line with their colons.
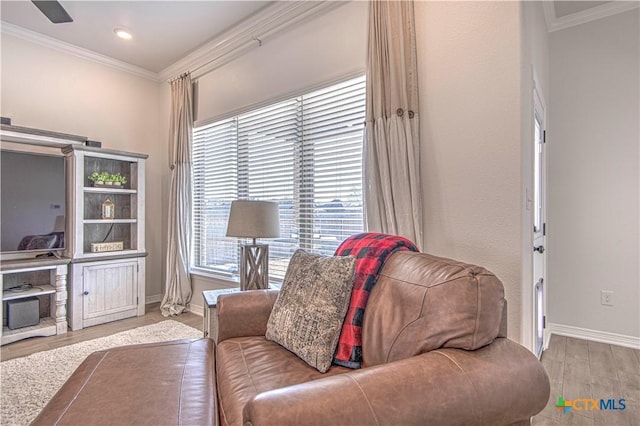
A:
x: 253, y: 219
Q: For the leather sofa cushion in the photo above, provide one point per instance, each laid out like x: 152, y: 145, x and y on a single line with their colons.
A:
x: 423, y: 302
x: 154, y: 384
x: 248, y: 366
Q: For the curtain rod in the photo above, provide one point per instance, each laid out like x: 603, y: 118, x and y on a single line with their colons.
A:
x: 194, y: 73
x: 184, y: 74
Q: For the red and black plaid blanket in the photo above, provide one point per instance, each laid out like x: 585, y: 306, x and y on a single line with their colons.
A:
x: 370, y: 250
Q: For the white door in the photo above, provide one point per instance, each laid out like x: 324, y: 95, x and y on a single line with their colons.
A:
x: 539, y: 225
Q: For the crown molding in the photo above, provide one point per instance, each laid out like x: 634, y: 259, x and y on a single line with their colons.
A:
x: 248, y: 34
x: 549, y: 14
x: 61, y: 46
x: 602, y: 11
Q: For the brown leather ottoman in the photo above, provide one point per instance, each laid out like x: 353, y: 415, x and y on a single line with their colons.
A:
x: 169, y: 383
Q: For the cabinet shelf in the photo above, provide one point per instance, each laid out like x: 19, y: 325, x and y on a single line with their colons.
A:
x: 121, y: 253
x: 46, y: 327
x: 107, y: 221
x: 106, y: 190
x: 37, y: 290
x: 49, y: 279
x: 87, y: 201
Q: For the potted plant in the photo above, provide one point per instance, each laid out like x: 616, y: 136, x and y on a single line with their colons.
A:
x: 99, y: 178
x: 118, y: 179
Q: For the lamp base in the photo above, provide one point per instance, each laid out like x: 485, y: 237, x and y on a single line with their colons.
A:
x: 254, y: 266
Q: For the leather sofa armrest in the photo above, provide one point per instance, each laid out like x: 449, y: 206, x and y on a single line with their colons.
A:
x: 244, y: 313
x: 501, y: 383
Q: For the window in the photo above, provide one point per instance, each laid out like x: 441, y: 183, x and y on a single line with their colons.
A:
x: 305, y: 153
x: 537, y: 173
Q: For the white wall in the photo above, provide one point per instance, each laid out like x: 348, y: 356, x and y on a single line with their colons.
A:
x: 593, y: 148
x: 469, y: 79
x: 319, y: 51
x: 47, y: 89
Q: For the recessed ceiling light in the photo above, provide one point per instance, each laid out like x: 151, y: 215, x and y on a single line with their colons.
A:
x: 123, y: 33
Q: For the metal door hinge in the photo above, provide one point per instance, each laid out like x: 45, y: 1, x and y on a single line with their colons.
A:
x: 544, y: 228
x: 544, y: 321
x: 544, y: 136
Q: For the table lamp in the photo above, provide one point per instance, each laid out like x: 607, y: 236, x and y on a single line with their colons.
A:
x: 254, y: 219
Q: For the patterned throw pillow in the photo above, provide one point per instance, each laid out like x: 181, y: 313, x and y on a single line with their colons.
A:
x: 308, y: 313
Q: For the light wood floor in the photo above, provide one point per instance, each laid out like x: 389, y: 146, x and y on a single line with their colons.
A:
x: 584, y: 369
x: 37, y: 344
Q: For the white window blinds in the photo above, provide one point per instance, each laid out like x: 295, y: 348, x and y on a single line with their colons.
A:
x: 305, y: 153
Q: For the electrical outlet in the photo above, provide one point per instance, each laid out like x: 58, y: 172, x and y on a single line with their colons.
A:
x: 606, y: 298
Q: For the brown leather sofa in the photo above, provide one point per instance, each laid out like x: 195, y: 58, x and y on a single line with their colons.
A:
x: 434, y: 352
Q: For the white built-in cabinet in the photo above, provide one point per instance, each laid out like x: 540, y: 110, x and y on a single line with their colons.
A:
x: 106, y: 283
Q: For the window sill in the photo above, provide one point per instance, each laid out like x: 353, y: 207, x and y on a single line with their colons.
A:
x: 228, y: 281
x: 213, y: 276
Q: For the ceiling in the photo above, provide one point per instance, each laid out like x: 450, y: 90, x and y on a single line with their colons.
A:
x: 163, y: 31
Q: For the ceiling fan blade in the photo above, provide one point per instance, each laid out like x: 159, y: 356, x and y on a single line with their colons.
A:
x: 53, y: 10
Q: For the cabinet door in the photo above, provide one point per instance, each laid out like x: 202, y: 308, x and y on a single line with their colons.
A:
x: 110, y: 292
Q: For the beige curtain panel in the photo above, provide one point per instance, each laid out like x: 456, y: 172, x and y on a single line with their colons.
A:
x: 393, y: 199
x: 178, y: 283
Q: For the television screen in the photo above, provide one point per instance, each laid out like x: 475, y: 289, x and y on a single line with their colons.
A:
x: 32, y: 201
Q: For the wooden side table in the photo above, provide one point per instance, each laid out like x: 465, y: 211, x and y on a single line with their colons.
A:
x: 210, y: 322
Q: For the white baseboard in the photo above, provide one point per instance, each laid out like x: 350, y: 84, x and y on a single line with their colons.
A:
x: 156, y: 298
x: 594, y: 335
x: 196, y: 309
